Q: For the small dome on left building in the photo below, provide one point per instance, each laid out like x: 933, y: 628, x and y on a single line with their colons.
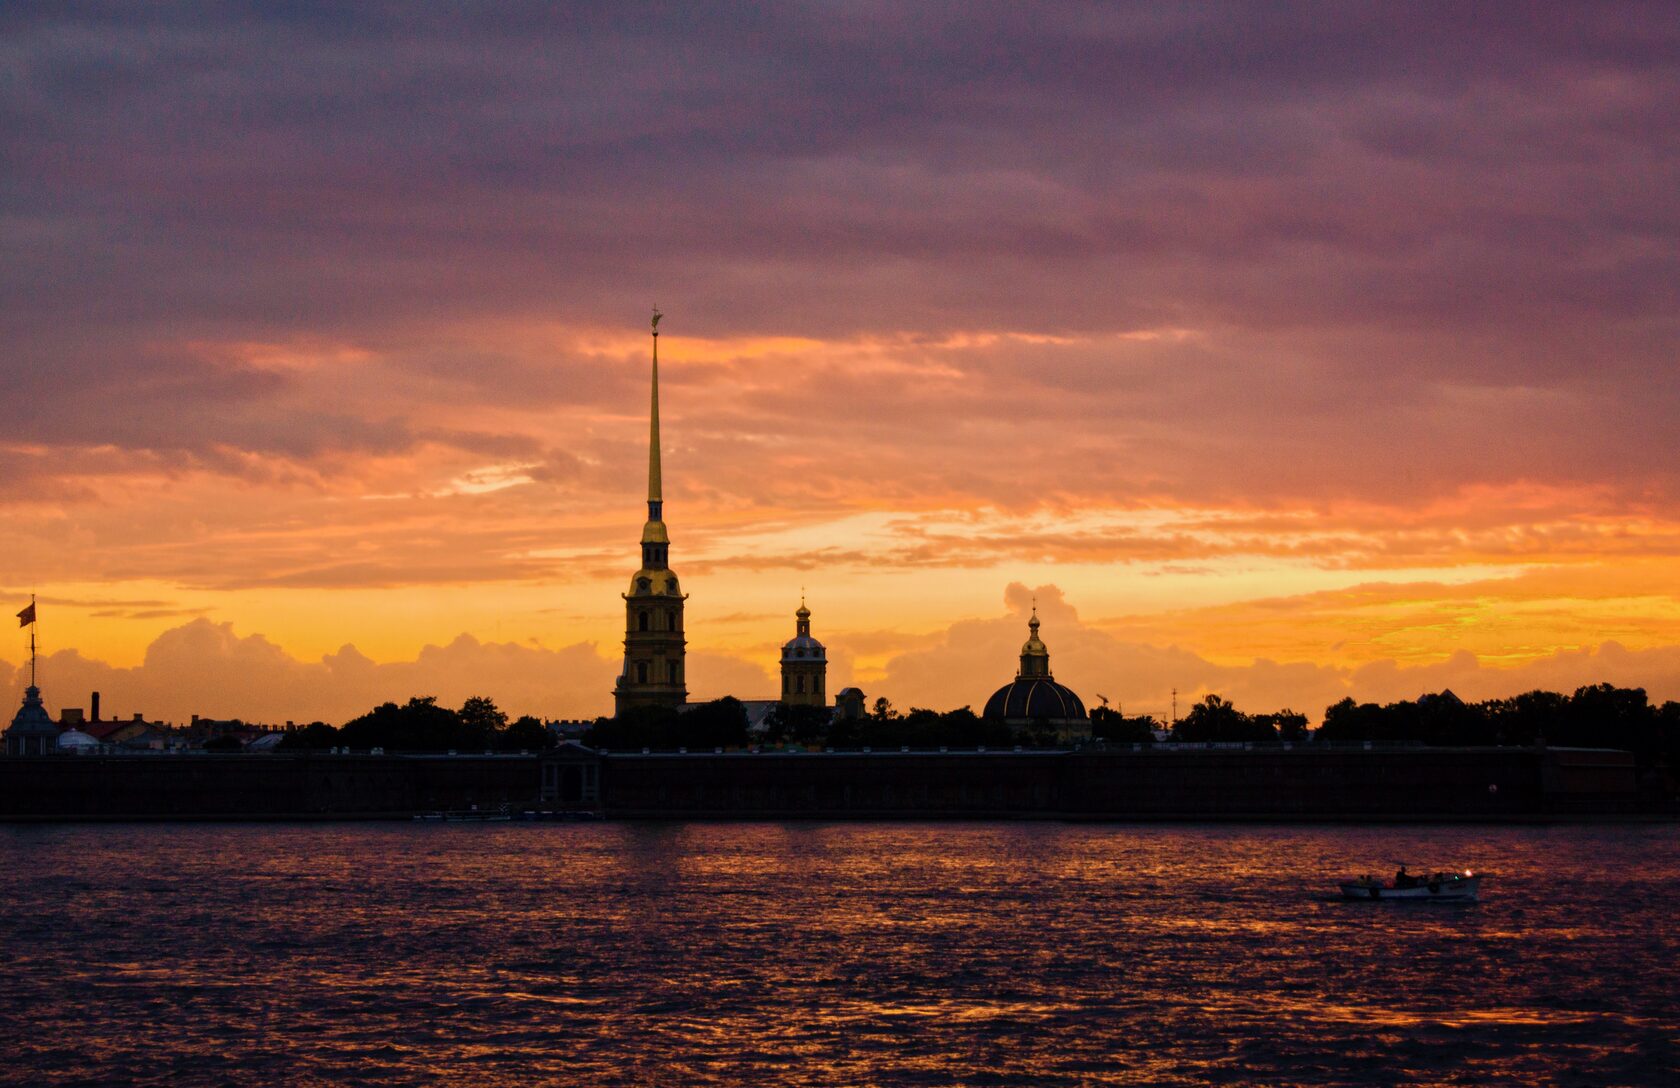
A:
x: 32, y: 732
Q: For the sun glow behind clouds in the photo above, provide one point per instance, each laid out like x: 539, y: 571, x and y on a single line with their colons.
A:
x: 536, y: 549
x: 490, y: 478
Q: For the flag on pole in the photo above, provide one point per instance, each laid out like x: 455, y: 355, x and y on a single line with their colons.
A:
x: 27, y: 616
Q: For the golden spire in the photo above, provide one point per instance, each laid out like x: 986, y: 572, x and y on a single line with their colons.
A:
x: 653, y: 429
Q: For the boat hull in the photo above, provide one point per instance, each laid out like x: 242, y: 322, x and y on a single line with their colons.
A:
x: 1463, y: 889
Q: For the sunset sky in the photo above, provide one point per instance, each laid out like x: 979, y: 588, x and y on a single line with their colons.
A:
x: 1283, y: 351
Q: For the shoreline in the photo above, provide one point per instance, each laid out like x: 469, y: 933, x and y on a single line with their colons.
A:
x: 1237, y: 786
x: 1337, y: 819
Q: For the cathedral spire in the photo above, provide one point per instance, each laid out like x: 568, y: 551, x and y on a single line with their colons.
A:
x: 654, y: 646
x: 654, y: 488
x: 653, y: 533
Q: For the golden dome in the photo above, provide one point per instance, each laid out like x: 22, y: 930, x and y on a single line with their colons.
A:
x: 654, y: 583
x: 1034, y: 647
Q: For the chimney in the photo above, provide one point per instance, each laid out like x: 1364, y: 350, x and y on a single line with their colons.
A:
x: 94, y: 706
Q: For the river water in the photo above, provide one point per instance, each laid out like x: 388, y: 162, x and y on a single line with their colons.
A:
x: 831, y: 954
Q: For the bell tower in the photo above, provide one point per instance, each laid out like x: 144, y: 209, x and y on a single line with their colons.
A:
x: 654, y: 646
x: 804, y: 664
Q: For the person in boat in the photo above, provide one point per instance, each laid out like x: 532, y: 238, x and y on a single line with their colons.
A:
x: 1403, y: 879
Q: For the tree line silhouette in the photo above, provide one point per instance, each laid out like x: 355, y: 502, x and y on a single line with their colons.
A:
x: 1597, y: 716
x: 421, y: 725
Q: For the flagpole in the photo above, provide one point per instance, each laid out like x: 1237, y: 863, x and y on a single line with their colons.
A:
x: 32, y: 640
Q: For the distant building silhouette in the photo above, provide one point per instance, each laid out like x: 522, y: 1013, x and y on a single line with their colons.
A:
x: 654, y: 646
x: 32, y: 732
x: 1034, y: 700
x: 849, y: 704
x: 804, y: 665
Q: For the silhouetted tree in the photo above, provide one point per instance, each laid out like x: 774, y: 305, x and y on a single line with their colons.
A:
x: 1111, y: 725
x: 316, y: 736
x: 637, y: 727
x: 1601, y: 715
x: 1445, y: 719
x: 801, y: 723
x: 1288, y: 724
x: 1214, y: 719
x: 1608, y: 717
x: 920, y: 728
x: 420, y: 725
x: 526, y: 734
x: 965, y: 728
x: 721, y: 723
x: 1663, y: 775
x: 718, y: 724
x: 1525, y: 718
x: 481, y: 713
x: 1351, y: 721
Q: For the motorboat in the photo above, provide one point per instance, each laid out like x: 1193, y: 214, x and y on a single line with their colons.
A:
x: 1446, y: 886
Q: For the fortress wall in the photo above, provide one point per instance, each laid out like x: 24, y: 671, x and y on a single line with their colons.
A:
x: 1302, y: 783
x: 238, y: 786
x: 1273, y: 783
x: 842, y: 784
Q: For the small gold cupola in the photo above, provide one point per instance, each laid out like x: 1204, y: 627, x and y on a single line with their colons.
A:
x: 1035, y: 656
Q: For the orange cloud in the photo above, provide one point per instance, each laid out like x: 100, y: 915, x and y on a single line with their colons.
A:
x: 206, y: 668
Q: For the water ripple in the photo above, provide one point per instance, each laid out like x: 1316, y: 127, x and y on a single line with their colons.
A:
x: 813, y: 954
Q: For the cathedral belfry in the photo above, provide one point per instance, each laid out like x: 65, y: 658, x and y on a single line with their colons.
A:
x: 653, y: 609
x: 804, y: 664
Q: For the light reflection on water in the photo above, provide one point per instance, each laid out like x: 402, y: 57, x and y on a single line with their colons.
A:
x: 809, y: 954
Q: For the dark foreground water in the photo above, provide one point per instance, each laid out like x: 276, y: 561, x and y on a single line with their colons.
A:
x: 830, y: 954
